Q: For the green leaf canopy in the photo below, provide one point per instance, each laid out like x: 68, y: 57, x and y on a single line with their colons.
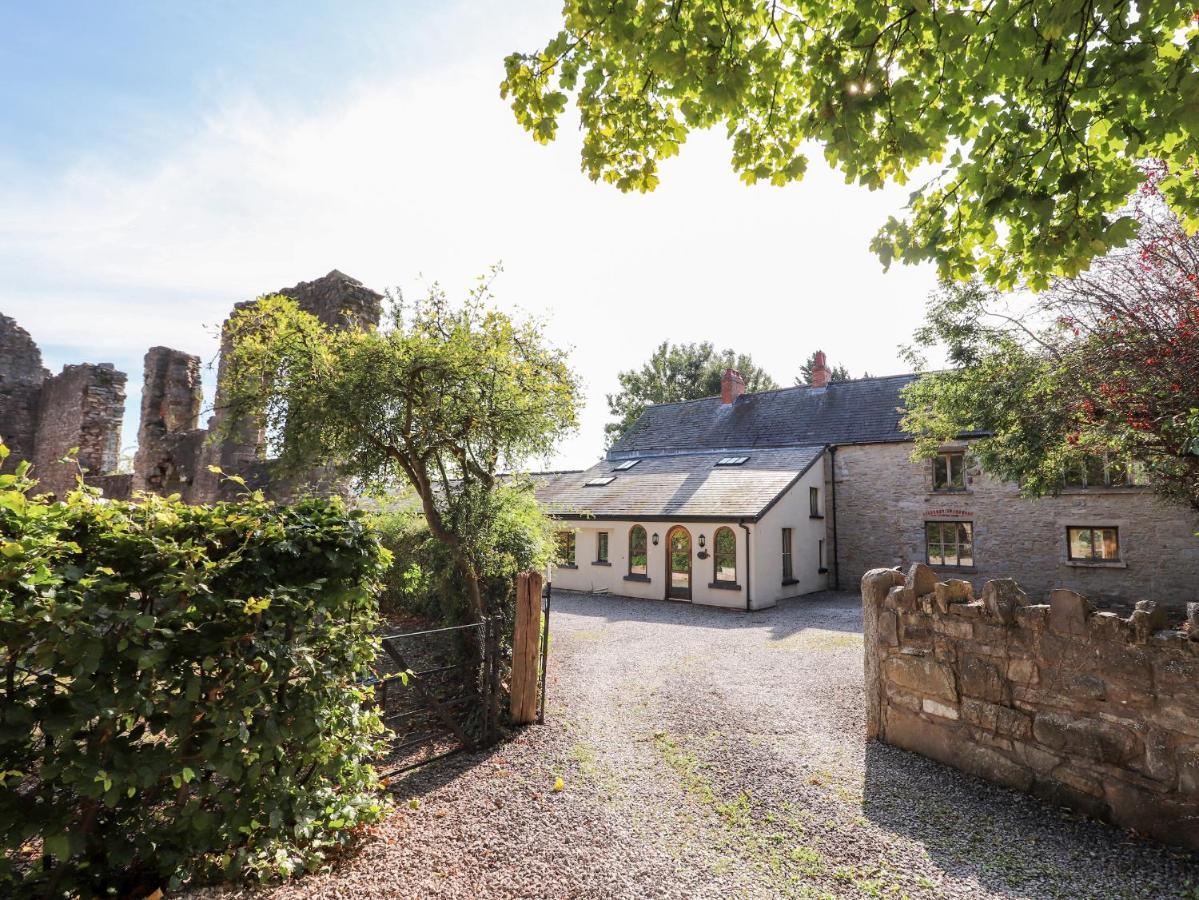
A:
x: 1038, y: 114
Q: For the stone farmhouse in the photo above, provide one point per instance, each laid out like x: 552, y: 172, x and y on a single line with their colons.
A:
x: 42, y: 416
x: 745, y: 499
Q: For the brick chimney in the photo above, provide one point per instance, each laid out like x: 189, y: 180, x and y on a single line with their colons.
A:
x: 819, y: 370
x: 732, y: 385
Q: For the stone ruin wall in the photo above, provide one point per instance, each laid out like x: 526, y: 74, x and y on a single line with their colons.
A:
x: 42, y: 416
x: 1083, y: 709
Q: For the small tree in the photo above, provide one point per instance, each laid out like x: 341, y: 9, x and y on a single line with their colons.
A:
x: 1104, y: 363
x: 677, y: 372
x: 439, y: 398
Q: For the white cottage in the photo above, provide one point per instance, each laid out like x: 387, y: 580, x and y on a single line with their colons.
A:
x: 741, y: 527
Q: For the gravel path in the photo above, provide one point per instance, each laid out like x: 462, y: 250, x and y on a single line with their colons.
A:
x: 708, y: 753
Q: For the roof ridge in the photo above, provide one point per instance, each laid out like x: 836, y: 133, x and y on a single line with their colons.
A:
x: 793, y: 387
x: 657, y: 453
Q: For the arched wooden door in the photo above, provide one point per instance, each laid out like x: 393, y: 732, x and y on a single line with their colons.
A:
x: 678, y: 564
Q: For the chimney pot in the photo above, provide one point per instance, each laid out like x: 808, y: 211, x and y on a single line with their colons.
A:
x: 732, y: 386
x: 820, y: 373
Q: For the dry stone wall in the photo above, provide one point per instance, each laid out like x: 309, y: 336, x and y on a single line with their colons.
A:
x: 1082, y: 708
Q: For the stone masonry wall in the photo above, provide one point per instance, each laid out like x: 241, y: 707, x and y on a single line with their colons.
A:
x: 339, y: 301
x: 168, y: 437
x: 1084, y: 709
x: 80, y: 407
x: 21, y: 377
x: 884, y: 500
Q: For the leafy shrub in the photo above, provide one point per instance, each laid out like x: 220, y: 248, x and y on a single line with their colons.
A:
x: 509, y: 535
x: 180, y: 688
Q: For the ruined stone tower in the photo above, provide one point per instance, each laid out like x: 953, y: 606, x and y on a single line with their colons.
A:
x: 21, y: 378
x: 42, y: 416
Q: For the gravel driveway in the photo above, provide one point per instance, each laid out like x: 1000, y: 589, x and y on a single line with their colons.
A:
x: 707, y: 753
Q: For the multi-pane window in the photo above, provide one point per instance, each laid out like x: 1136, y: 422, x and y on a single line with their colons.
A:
x: 949, y: 471
x: 1102, y: 470
x: 601, y: 547
x: 638, y: 554
x: 788, y: 567
x: 724, y: 556
x: 949, y: 543
x: 1091, y: 544
x: 566, y: 548
x: 814, y: 502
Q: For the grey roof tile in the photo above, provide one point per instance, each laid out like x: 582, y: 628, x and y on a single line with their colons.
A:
x: 678, y: 485
x: 847, y: 412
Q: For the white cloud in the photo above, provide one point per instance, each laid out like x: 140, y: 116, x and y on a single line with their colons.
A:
x: 428, y: 174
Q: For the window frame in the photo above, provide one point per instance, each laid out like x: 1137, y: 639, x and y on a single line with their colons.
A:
x: 716, y: 579
x: 726, y: 461
x: 788, y: 556
x: 957, y: 543
x: 1133, y: 474
x: 1092, y: 558
x: 946, y: 457
x: 571, y: 538
x: 630, y: 573
x: 815, y: 511
x: 603, y: 548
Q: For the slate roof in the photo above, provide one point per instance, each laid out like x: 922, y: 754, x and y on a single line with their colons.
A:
x: 864, y: 411
x: 677, y: 486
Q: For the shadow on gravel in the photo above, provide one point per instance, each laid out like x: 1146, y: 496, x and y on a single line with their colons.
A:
x: 438, y: 773
x: 1011, y: 842
x: 825, y: 611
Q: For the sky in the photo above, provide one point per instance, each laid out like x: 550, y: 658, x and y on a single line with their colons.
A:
x: 161, y: 161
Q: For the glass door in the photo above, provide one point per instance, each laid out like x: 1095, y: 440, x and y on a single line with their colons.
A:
x: 678, y: 564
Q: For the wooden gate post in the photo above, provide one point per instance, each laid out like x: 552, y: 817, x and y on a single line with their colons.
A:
x: 526, y: 641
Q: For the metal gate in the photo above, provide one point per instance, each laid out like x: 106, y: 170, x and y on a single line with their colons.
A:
x: 438, y: 690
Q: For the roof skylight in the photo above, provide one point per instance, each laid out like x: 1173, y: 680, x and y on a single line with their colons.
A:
x: 626, y: 465
x: 732, y: 461
x: 601, y: 481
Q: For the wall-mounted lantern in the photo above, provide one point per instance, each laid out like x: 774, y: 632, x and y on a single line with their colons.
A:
x: 655, y: 539
x: 703, y: 542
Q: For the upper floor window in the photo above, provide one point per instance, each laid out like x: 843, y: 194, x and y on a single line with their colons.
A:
x: 732, y: 461
x: 1090, y: 544
x: 724, y: 556
x: 814, y: 502
x: 638, y: 553
x: 949, y: 471
x: 566, y: 548
x: 1103, y: 470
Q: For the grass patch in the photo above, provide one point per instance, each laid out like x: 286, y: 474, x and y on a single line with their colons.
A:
x: 817, y: 640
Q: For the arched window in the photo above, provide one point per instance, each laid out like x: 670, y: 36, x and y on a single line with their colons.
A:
x: 638, y: 554
x: 724, y: 556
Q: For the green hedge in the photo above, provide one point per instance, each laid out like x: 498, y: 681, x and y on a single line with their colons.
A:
x: 179, y: 689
